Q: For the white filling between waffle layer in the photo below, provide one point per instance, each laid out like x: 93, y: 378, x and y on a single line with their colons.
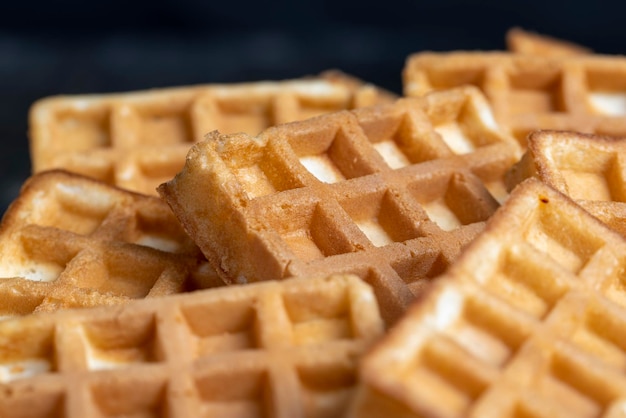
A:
x: 612, y: 104
x: 392, y: 155
x: 374, y: 232
x: 322, y: 168
x: 23, y: 369
x: 454, y: 137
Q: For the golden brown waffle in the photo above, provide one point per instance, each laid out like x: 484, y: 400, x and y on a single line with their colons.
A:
x: 524, y: 42
x: 590, y: 169
x: 70, y: 241
x: 390, y: 193
x: 138, y: 140
x: 527, y: 323
x: 584, y: 93
x: 282, y: 349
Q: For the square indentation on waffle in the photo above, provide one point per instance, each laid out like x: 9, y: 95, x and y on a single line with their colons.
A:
x: 137, y: 140
x: 223, y: 333
x: 309, y: 228
x: 606, y: 91
x: 108, y: 397
x: 246, y: 391
x: 531, y: 286
x: 320, y: 315
x: 108, y: 345
x: 163, y: 122
x: 536, y: 91
x: 592, y: 325
x: 451, y: 198
x: 382, y: 215
x: 472, y: 335
x: 583, y: 166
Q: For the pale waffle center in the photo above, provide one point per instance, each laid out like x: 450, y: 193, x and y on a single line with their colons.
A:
x: 322, y: 167
x: 439, y: 212
x: 23, y: 369
x: 587, y: 185
x: 608, y: 103
x: 455, y: 138
x: 392, y: 154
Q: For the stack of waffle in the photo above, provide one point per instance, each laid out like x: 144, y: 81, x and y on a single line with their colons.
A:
x: 327, y: 248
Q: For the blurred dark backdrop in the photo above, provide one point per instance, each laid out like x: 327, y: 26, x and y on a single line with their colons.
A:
x: 72, y: 47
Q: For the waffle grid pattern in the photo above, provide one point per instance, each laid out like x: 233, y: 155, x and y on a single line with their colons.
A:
x: 584, y: 93
x: 526, y: 323
x: 139, y: 140
x: 376, y: 192
x: 70, y: 241
x: 180, y: 356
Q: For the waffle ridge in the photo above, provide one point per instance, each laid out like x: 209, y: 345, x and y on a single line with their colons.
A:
x: 376, y: 192
x: 72, y: 241
x: 286, y: 348
x: 525, y: 322
x: 137, y: 140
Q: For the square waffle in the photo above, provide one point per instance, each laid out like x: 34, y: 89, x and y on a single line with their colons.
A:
x: 527, y: 323
x: 282, y: 349
x: 390, y: 193
x: 137, y: 140
x: 71, y: 241
x: 584, y: 93
x: 590, y: 169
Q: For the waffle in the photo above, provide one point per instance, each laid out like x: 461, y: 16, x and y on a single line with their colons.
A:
x: 588, y: 168
x: 390, y: 193
x: 70, y: 241
x: 281, y: 349
x: 138, y: 140
x: 584, y: 93
x: 527, y: 323
x: 524, y: 42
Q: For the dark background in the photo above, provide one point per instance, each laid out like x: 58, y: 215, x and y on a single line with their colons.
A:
x: 74, y: 47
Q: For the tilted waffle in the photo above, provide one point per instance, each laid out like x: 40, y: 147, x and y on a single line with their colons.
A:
x: 584, y: 93
x: 527, y: 323
x: 525, y: 42
x: 390, y: 193
x: 282, y: 349
x: 590, y: 169
x: 138, y: 140
x: 70, y: 241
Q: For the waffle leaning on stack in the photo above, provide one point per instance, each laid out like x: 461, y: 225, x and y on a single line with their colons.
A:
x: 391, y: 193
